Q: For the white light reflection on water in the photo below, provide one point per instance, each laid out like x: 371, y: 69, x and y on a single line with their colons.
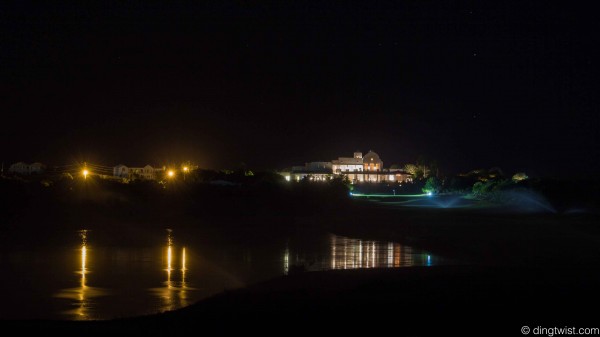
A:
x: 348, y: 253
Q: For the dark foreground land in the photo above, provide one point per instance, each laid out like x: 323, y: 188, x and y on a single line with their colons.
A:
x: 515, y: 268
x: 459, y: 300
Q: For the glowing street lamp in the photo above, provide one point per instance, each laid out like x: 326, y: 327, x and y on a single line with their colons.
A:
x: 85, y: 173
x: 171, y: 173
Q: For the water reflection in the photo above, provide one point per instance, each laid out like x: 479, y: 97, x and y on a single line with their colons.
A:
x: 183, y: 291
x: 347, y: 253
x: 165, y: 277
x: 81, y: 296
x: 286, y: 261
x: 174, y: 292
x: 82, y: 312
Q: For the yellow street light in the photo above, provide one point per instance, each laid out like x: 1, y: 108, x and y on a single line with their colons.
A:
x: 170, y: 173
x: 185, y: 170
x: 85, y: 173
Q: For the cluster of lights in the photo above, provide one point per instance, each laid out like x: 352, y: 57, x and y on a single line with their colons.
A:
x: 170, y: 173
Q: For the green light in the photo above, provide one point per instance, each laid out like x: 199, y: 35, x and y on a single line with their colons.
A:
x: 363, y: 195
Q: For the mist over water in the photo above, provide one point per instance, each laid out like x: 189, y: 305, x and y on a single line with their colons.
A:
x: 526, y: 201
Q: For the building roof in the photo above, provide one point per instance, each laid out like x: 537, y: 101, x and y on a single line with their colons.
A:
x: 371, y: 157
x: 347, y: 161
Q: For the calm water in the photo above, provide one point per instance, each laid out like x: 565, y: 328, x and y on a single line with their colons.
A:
x: 88, y: 280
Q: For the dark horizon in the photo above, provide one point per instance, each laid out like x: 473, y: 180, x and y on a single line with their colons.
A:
x: 272, y: 85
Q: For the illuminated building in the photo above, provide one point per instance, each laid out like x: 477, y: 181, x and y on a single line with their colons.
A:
x: 358, y: 169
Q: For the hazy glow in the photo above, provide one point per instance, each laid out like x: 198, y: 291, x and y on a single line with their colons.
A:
x: 185, y: 168
x: 85, y: 173
x: 171, y: 173
x: 183, y: 259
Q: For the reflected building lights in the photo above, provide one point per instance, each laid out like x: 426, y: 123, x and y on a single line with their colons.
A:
x: 373, y: 255
x: 333, y: 252
x: 390, y: 255
x: 286, y: 261
x: 349, y: 253
x: 345, y: 256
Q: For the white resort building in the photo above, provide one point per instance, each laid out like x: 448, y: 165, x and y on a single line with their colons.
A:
x: 359, y: 168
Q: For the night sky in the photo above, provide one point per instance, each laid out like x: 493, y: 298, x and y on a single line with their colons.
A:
x: 275, y: 84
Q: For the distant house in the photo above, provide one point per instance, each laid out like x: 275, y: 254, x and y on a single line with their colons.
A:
x: 26, y: 169
x: 37, y: 168
x: 121, y: 171
x: 146, y: 173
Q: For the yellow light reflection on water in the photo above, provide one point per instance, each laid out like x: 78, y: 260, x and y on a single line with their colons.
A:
x: 183, y: 292
x: 174, y: 292
x: 169, y: 258
x: 83, y: 261
x: 169, y: 265
x: 81, y: 311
